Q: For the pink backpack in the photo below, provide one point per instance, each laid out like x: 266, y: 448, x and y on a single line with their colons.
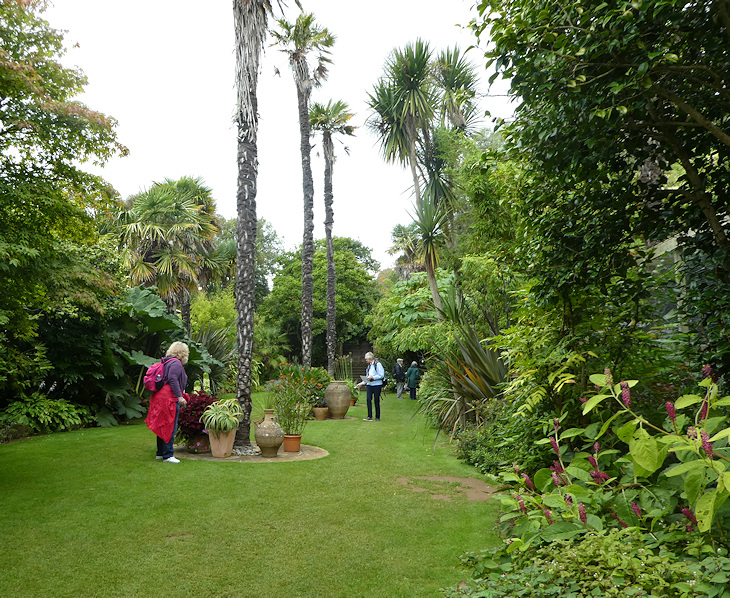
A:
x: 154, y: 378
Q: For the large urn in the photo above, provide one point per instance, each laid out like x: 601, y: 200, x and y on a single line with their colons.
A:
x: 337, y: 397
x: 269, y: 435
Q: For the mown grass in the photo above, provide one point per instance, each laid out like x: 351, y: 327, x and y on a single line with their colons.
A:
x: 92, y: 513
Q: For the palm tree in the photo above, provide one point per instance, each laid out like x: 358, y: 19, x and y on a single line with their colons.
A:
x: 330, y: 119
x: 298, y: 40
x: 404, y: 103
x: 404, y: 241
x: 250, y: 18
x: 430, y: 220
x: 167, y: 237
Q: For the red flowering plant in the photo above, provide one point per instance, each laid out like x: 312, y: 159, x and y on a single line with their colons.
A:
x: 659, y: 488
x: 671, y: 479
x: 189, y: 426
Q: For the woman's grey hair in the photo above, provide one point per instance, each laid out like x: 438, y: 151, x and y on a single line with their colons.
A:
x: 369, y: 355
x: 179, y: 350
x: 414, y: 364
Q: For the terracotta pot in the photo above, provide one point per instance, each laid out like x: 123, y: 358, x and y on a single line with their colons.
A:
x: 353, y: 400
x: 338, y: 397
x: 200, y: 443
x: 269, y: 435
x: 221, y: 444
x: 292, y: 443
x: 320, y: 413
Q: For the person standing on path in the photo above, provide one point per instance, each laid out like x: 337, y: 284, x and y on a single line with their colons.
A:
x: 399, y: 375
x: 413, y: 375
x: 373, y: 381
x: 165, y: 403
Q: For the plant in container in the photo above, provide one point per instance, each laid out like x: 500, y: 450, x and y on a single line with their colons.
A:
x: 190, y: 429
x: 221, y: 419
x: 294, y: 394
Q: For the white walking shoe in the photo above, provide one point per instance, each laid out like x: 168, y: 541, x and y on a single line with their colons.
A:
x: 171, y: 460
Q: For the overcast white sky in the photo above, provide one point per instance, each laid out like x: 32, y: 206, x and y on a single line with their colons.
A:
x: 164, y: 69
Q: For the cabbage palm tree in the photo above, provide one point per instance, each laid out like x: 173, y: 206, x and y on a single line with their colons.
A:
x: 299, y: 40
x: 330, y: 119
x: 404, y: 104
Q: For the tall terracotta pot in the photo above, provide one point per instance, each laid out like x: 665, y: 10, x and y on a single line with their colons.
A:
x: 221, y: 443
x: 269, y: 435
x: 338, y: 396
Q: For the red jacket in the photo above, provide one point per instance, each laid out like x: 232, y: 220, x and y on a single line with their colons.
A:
x: 161, y: 415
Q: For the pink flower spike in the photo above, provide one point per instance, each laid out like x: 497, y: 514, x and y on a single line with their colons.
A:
x: 548, y: 515
x: 706, y: 444
x: 609, y: 378
x: 637, y: 509
x: 689, y: 515
x: 556, y: 424
x: 626, y: 395
x: 671, y: 411
x: 592, y: 460
x: 557, y: 467
x: 621, y: 523
x: 521, y: 503
x: 596, y: 447
x: 554, y: 443
x: 556, y: 480
x: 582, y: 512
x: 568, y: 500
x: 703, y: 411
x: 583, y: 400
x: 528, y: 481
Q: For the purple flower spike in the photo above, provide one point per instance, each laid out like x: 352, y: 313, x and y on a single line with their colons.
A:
x: 637, y: 509
x: 583, y: 400
x: 557, y: 467
x: 556, y: 424
x: 521, y: 503
x: 548, y: 516
x: 582, y: 512
x: 616, y: 517
x: 596, y: 447
x: 554, y: 443
x: 528, y: 481
x: 556, y: 480
x: 626, y: 395
x: 706, y: 444
x: 671, y: 411
x: 689, y: 515
x: 592, y: 460
x: 568, y: 500
x: 703, y: 411
x: 692, y: 432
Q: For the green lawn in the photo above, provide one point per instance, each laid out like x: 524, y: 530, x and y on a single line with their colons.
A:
x: 92, y: 513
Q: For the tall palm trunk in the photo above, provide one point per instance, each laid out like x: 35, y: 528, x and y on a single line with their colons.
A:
x: 303, y: 93
x: 329, y: 219
x: 250, y: 24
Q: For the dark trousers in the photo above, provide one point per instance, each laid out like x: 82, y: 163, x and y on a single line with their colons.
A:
x: 412, y: 390
x: 374, y: 394
x: 165, y: 449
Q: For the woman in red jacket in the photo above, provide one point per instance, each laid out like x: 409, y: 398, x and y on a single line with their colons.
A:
x: 165, y: 403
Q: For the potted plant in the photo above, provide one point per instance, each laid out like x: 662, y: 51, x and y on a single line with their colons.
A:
x: 221, y: 419
x: 190, y: 429
x: 294, y: 393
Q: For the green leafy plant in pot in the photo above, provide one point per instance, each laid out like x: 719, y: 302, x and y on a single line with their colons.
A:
x: 221, y: 419
x: 294, y: 394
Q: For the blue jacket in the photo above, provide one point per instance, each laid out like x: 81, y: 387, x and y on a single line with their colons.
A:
x: 375, y: 369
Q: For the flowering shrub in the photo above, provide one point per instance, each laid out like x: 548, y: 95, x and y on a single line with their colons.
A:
x: 667, y: 485
x: 188, y: 421
x: 295, y: 392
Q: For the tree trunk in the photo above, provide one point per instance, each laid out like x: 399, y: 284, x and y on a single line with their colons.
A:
x: 250, y: 29
x: 303, y: 92
x: 329, y: 220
